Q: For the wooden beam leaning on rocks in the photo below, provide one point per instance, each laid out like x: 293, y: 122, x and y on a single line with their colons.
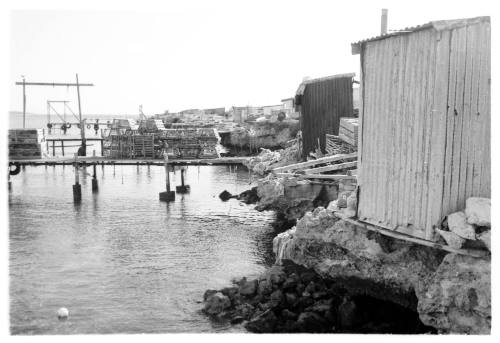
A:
x: 333, y: 167
x: 397, y: 235
x: 304, y: 165
x: 318, y: 176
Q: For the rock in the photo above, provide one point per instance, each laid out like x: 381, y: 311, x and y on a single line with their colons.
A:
x: 321, y: 306
x: 216, y: 303
x: 225, y: 195
x: 276, y: 275
x: 457, y: 297
x: 276, y: 298
x: 333, y: 207
x: 287, y: 314
x: 291, y: 299
x: 262, y: 323
x: 291, y: 282
x: 248, y: 288
x: 208, y: 293
x: 244, y: 310
x: 311, y: 322
x: 307, y: 277
x: 310, y: 288
x: 485, y: 237
x: 452, y: 239
x: 457, y: 223
x: 478, y: 211
x: 347, y: 313
x: 230, y: 292
x: 352, y: 202
x: 319, y: 295
x: 304, y: 302
x: 265, y: 287
x: 237, y: 320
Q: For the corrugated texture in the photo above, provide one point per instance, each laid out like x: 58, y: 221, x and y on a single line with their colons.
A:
x: 438, y: 25
x: 322, y: 102
x: 425, y: 126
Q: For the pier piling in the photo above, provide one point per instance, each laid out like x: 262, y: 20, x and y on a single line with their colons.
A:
x: 182, y: 188
x: 168, y: 195
x: 77, y: 188
x: 95, y: 186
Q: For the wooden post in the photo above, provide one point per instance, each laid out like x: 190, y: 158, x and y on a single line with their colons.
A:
x: 168, y: 195
x: 102, y: 146
x: 77, y: 188
x: 383, y: 22
x: 182, y: 188
x: 82, y: 122
x: 24, y: 103
x: 62, y: 147
x: 54, y: 148
x: 95, y: 186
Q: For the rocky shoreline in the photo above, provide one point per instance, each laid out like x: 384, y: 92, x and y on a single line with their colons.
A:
x: 332, y: 276
x: 294, y: 299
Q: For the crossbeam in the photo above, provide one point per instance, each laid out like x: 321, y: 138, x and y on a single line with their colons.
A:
x: 54, y: 84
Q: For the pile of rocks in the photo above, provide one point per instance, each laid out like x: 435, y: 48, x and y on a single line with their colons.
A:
x: 470, y: 228
x: 291, y: 298
x: 268, y: 160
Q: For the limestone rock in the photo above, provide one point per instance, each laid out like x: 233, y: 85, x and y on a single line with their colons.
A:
x: 457, y: 223
x: 332, y: 206
x: 485, y: 237
x: 457, y: 298
x: 248, y: 288
x: 478, y: 211
x: 216, y: 303
x: 262, y: 323
x: 452, y: 239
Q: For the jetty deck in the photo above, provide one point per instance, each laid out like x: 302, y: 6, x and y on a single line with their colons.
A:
x: 111, y: 161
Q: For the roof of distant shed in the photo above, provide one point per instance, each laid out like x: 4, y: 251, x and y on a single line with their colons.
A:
x: 438, y: 25
x: 302, y: 86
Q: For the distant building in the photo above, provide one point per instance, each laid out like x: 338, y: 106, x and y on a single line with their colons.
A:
x: 219, y: 111
x: 268, y: 110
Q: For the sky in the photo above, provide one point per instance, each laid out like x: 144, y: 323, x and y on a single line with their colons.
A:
x: 197, y: 54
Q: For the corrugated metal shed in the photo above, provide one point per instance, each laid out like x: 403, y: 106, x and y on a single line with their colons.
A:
x: 425, y: 124
x: 321, y: 102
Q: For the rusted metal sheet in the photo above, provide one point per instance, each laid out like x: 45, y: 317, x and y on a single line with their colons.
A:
x: 425, y: 125
x: 321, y: 103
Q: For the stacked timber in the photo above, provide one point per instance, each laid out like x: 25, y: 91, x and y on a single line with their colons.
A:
x: 335, y: 145
x: 26, y: 143
x: 324, y: 168
x: 191, y: 143
x: 348, y: 130
x: 143, y: 146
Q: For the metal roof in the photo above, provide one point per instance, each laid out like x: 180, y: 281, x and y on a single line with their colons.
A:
x: 438, y: 25
x: 303, y: 85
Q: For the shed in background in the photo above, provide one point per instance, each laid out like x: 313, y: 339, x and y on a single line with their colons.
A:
x: 424, y: 142
x: 321, y: 102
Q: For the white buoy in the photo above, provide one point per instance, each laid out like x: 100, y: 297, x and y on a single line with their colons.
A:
x: 63, y: 313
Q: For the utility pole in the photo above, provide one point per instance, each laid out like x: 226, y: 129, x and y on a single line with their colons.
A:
x: 82, y: 123
x: 24, y: 103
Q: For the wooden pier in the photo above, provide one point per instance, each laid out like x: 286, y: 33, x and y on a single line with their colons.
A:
x: 130, y: 162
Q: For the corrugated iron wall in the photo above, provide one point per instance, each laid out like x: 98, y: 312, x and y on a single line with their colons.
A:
x: 425, y: 127
x: 322, y: 105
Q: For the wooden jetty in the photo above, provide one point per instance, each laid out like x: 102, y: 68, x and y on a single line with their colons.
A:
x: 130, y: 162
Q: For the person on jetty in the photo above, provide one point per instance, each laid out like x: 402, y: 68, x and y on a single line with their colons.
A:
x: 96, y: 127
x: 49, y: 126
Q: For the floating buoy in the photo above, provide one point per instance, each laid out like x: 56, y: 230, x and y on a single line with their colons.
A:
x: 63, y: 313
x: 16, y: 170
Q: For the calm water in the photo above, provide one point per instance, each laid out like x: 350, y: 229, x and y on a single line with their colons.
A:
x: 123, y: 262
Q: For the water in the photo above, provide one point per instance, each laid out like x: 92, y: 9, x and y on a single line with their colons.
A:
x: 123, y: 262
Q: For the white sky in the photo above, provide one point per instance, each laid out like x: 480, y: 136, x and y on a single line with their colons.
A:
x: 198, y: 54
